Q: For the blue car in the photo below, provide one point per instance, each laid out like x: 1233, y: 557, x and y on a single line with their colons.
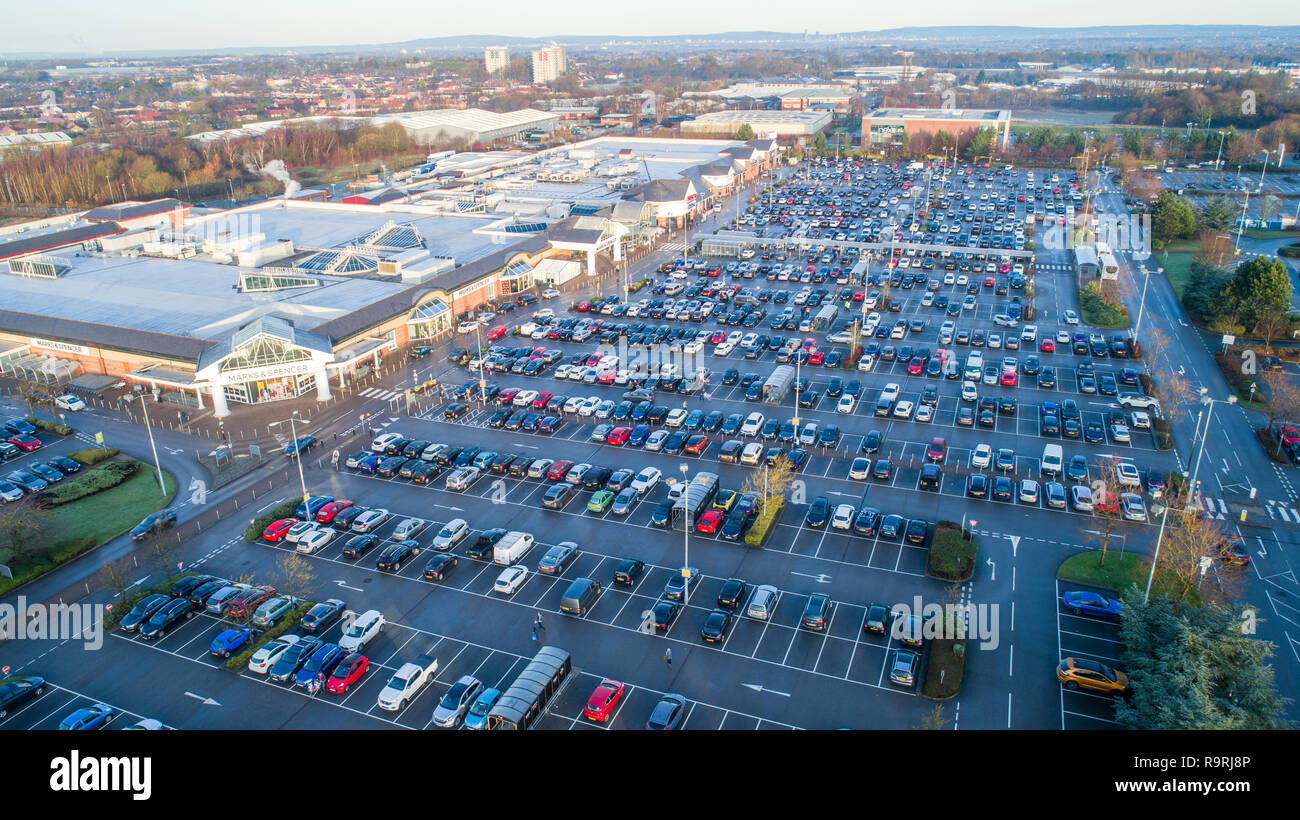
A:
x: 88, y: 718
x: 320, y: 664
x: 638, y: 435
x: 230, y: 640
x: 1090, y: 603
x: 370, y: 463
x: 152, y: 523
x: 16, y: 426
x: 307, y: 510
x: 301, y: 445
x: 476, y: 718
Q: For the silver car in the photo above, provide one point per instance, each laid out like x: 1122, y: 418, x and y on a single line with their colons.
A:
x: 451, y: 534
x: 451, y: 709
x: 409, y: 528
x: 763, y: 602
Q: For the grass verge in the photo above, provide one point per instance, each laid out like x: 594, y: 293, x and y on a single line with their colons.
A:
x: 763, y: 525
x: 1120, y: 572
x: 240, y: 661
x: 945, y: 669
x: 952, y: 558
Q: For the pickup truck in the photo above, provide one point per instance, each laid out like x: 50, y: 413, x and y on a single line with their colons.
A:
x: 407, y: 682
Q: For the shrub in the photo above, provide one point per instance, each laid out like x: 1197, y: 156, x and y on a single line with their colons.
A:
x: 764, y: 524
x: 1160, y: 432
x: 240, y: 661
x: 952, y: 557
x: 93, y: 455
x: 284, y: 510
x: 113, y: 618
x: 104, y: 477
x: 1100, y: 312
x: 1289, y: 251
x: 637, y: 285
x: 50, y: 426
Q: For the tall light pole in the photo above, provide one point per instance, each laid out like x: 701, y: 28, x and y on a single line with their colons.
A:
x: 1219, y: 156
x: 1143, y: 301
x: 1265, y: 168
x: 162, y: 486
x: 1187, y: 146
x: 686, y: 559
x: 293, y: 431
x: 1146, y: 596
x: 482, y: 385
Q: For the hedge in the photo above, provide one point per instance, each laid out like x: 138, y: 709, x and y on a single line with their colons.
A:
x: 50, y: 426
x: 1289, y: 251
x: 1268, y: 441
x: 952, y: 557
x: 284, y: 510
x: 97, y: 480
x: 637, y: 285
x: 1160, y: 432
x: 63, y: 552
x: 93, y: 455
x: 766, y: 521
x: 1098, y: 312
x: 240, y: 661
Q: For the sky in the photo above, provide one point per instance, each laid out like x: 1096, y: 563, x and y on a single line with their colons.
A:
x: 95, y: 27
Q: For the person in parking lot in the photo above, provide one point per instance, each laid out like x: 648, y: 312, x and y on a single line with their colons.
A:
x: 537, y: 622
x: 668, y: 657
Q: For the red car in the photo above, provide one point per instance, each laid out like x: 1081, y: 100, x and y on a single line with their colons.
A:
x: 809, y: 344
x: 710, y: 521
x: 246, y: 602
x: 330, y: 510
x: 348, y: 672
x: 936, y: 449
x: 816, y: 357
x: 607, y: 376
x: 1288, y: 433
x: 1047, y: 346
x: 988, y: 281
x: 916, y: 367
x: 278, y: 529
x: 496, y: 332
x: 603, y: 700
x: 618, y: 435
x: 25, y: 442
x: 508, y: 395
x: 1008, y: 378
x: 858, y: 296
x: 717, y: 337
x: 583, y: 306
x: 539, y: 403
x: 558, y: 470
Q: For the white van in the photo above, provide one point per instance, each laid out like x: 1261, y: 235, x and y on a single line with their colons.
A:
x: 1052, y: 458
x: 512, y: 547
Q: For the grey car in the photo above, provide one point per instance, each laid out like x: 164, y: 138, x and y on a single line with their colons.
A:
x: 451, y: 709
x: 668, y: 712
x: 558, y: 557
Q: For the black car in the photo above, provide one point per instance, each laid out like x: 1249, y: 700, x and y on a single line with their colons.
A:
x: 662, y: 515
x: 165, y: 618
x: 143, y: 611
x: 818, y: 512
x: 14, y: 692
x: 627, y: 571
x: 199, y: 597
x: 917, y: 530
x: 185, y: 586
x: 440, y: 566
x: 294, y: 657
x: 319, y: 617
x: 395, y: 553
x: 664, y: 613
x: 359, y: 545
x: 66, y: 465
x: 153, y: 522
x: 735, y: 525
x: 716, y: 626
x: 732, y: 593
x: 871, y: 442
x: 483, y: 545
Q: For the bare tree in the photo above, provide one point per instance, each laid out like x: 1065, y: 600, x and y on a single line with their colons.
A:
x: 116, y: 575
x: 294, y: 576
x: 933, y: 720
x: 1216, y: 248
x: 1271, y: 325
x: 772, y: 482
x: 164, y: 549
x: 1105, y: 505
x: 1281, y: 398
x: 22, y: 529
x: 1189, y: 539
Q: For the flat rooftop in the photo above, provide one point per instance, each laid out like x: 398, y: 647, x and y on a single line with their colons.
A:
x: 941, y: 113
x: 339, y: 225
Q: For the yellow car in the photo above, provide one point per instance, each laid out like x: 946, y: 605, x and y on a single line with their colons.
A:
x: 1077, y: 673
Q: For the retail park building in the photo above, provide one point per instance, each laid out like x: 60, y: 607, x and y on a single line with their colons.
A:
x: 293, y: 296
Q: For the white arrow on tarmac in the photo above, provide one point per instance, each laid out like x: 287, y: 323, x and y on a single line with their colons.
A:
x: 757, y: 688
x: 206, y: 701
x: 823, y: 578
x: 993, y: 573
x: 1015, y: 542
x: 345, y: 586
x: 445, y: 507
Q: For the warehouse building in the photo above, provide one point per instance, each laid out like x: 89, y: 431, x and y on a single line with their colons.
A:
x: 473, y: 125
x: 887, y: 128
x: 797, y: 126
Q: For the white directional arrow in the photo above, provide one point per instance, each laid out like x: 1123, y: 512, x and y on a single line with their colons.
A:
x: 823, y: 578
x: 1015, y: 542
x: 757, y: 688
x: 453, y: 509
x: 345, y: 586
x: 206, y: 701
x: 993, y: 573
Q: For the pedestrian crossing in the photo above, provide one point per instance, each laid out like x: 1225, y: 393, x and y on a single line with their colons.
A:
x: 1049, y: 266
x: 1278, y: 511
x: 381, y: 394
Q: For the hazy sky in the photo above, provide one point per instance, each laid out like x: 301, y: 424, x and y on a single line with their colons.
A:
x: 88, y: 27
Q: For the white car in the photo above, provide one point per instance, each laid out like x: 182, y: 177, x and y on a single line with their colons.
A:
x: 380, y: 444
x: 860, y: 469
x: 510, y: 579
x: 890, y: 392
x: 451, y: 534
x: 842, y: 518
x: 466, y: 327
x: 924, y: 413
x: 563, y: 371
x: 462, y: 478
x: 1003, y: 320
x: 1127, y: 475
x: 362, y: 630
x: 808, y: 435
x: 753, y: 423
x: 845, y: 404
x: 982, y: 456
x: 605, y: 409
x: 576, y: 372
x: 1134, y: 509
x: 315, y: 540
x: 995, y: 341
x: 588, y: 407
x: 1119, y: 432
x: 69, y: 402
x: 962, y: 280
x: 752, y: 454
x: 968, y: 303
x: 549, y: 293
x: 524, y: 398
x: 370, y: 520
x: 1071, y: 318
x: 675, y: 417
x: 948, y: 278
x: 577, y: 471
x: 1081, y: 497
x: 646, y: 480
x: 264, y: 658
x: 1141, y: 421
x: 1028, y: 491
x: 409, y: 528
x: 572, y: 405
x: 1029, y: 333
x: 969, y: 392
x: 298, y: 531
x: 1063, y: 337
x: 903, y: 410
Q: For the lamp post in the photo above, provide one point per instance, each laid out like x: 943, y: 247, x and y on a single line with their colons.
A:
x: 1143, y: 301
x: 1156, y: 557
x: 162, y: 486
x: 1209, y: 403
x: 1219, y: 156
x: 1265, y: 168
x: 293, y: 431
x: 686, y: 548
x: 482, y: 386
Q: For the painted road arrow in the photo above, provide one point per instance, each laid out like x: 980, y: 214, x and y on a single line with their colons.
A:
x: 206, y: 701
x: 821, y: 579
x: 758, y: 688
x: 345, y: 586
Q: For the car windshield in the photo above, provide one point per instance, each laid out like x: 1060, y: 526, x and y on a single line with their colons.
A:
x: 481, y: 707
x: 451, y: 700
x: 356, y: 630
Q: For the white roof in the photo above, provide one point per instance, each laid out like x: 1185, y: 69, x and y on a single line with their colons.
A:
x: 470, y: 119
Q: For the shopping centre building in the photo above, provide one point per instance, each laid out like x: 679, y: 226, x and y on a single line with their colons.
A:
x: 290, y: 297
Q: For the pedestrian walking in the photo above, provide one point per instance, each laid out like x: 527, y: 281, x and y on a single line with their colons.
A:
x: 537, y: 622
x: 668, y: 657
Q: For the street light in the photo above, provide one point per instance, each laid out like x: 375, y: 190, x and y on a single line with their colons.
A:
x: 1219, y: 156
x: 1209, y: 403
x: 293, y: 431
x: 686, y: 561
x: 145, y: 407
